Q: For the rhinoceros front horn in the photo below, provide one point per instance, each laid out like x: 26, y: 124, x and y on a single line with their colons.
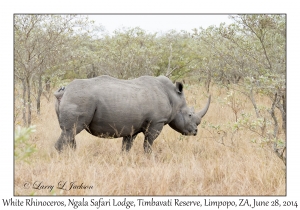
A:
x: 204, y: 110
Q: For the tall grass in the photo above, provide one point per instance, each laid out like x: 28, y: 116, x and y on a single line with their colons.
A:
x: 178, y: 165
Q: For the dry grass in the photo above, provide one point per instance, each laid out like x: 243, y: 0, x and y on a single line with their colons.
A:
x: 178, y: 165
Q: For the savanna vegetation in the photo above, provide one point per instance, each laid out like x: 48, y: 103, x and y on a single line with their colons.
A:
x: 240, y: 148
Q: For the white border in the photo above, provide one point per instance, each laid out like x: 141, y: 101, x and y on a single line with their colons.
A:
x: 154, y: 6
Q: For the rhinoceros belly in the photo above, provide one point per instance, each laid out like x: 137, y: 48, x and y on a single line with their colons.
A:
x: 112, y: 130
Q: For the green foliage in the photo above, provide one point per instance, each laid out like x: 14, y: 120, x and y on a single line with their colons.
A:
x: 263, y: 126
x: 235, y: 103
x: 254, y: 45
x: 128, y: 53
x: 23, y: 149
x: 250, y: 53
x: 180, y: 54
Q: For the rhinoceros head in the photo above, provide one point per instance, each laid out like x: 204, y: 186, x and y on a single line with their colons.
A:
x: 186, y: 120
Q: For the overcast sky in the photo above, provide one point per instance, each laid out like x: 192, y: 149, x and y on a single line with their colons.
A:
x: 159, y: 23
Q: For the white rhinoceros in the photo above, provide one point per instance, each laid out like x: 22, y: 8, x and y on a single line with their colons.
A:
x: 109, y: 107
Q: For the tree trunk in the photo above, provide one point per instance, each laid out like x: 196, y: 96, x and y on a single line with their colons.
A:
x: 47, y: 81
x: 40, y: 91
x: 47, y: 93
x: 283, y: 112
x: 282, y: 107
x: 28, y: 102
x: 208, y: 80
x: 24, y: 103
x: 254, y: 103
x: 92, y: 73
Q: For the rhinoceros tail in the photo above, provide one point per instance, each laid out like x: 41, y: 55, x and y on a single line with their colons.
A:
x: 58, y: 94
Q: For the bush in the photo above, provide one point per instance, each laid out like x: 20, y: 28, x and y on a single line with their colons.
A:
x: 23, y: 149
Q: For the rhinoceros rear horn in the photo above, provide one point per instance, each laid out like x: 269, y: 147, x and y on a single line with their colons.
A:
x: 204, y: 110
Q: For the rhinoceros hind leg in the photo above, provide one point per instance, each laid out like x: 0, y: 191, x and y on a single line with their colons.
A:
x: 74, y: 124
x: 127, y: 142
x: 67, y: 138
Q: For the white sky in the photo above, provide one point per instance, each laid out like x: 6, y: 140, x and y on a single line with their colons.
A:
x: 159, y: 23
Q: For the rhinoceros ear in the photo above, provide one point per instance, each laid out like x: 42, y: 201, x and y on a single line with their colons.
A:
x: 179, y: 87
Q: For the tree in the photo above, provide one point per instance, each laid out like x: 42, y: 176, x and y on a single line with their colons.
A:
x: 179, y: 56
x: 40, y: 44
x: 252, y: 49
x: 128, y: 53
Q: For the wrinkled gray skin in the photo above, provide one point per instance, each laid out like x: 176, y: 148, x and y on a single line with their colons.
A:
x: 109, y: 107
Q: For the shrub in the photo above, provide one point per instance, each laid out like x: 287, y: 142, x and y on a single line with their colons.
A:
x: 23, y: 149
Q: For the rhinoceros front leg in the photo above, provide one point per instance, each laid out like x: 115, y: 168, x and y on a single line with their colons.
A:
x: 127, y: 142
x: 150, y: 135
